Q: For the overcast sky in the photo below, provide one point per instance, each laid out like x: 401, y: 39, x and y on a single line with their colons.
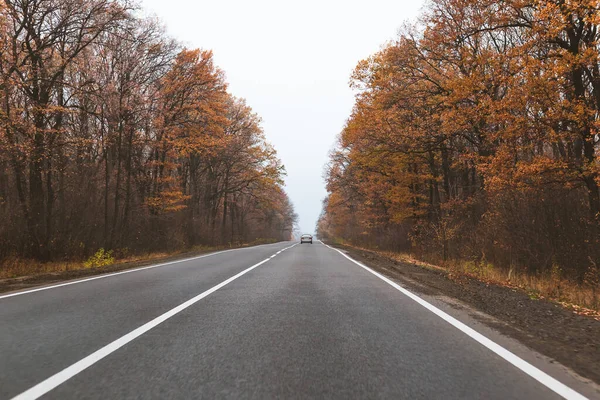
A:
x: 291, y: 61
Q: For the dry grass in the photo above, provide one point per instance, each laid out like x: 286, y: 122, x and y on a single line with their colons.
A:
x: 14, y: 267
x: 582, y: 299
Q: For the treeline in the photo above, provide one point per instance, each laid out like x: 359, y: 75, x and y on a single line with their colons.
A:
x: 474, y: 136
x: 114, y: 136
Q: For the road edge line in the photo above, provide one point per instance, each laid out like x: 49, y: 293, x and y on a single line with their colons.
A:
x: 127, y: 271
x: 551, y: 383
x: 61, y: 377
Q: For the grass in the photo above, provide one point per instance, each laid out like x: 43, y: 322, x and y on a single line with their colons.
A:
x: 14, y: 267
x: 17, y: 267
x: 582, y: 299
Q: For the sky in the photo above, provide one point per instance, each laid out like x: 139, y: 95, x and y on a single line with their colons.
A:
x: 291, y: 61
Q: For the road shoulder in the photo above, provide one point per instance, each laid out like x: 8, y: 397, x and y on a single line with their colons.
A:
x: 571, y: 339
x: 10, y: 285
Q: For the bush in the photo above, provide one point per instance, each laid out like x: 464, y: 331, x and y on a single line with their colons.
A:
x: 100, y: 259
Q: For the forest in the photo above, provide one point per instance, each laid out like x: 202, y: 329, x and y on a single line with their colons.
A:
x: 475, y: 137
x: 116, y: 137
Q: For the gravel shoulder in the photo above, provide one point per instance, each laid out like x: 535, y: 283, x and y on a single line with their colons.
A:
x: 544, y: 326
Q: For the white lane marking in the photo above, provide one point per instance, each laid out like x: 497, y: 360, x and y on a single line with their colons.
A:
x: 125, y: 272
x: 59, y: 378
x: 537, y: 374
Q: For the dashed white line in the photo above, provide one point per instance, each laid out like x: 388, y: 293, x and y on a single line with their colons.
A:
x: 537, y: 374
x: 57, y: 379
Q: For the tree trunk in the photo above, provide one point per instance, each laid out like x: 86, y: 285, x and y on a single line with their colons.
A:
x: 225, y: 206
x: 116, y: 208
x: 128, y: 166
x: 590, y: 180
x: 36, y: 189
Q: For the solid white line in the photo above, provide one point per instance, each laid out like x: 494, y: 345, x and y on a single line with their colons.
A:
x: 124, y: 272
x: 545, y: 379
x: 57, y: 379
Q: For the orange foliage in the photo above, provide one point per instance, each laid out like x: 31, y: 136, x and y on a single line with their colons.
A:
x: 114, y: 137
x: 475, y: 135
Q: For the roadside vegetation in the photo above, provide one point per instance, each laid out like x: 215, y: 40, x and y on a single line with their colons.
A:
x: 473, y: 144
x: 115, y: 141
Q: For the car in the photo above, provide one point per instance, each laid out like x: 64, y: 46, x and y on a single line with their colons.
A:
x: 306, y: 238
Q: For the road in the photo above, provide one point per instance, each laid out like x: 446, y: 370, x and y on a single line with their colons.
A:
x: 275, y: 321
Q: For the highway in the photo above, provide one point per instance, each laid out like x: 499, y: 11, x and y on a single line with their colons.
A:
x: 275, y: 321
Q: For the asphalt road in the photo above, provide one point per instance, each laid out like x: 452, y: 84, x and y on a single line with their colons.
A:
x: 306, y: 323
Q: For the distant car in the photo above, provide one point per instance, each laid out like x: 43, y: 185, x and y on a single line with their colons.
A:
x: 306, y: 238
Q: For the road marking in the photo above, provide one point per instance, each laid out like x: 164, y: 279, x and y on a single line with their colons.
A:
x: 537, y: 374
x: 124, y: 272
x: 59, y: 378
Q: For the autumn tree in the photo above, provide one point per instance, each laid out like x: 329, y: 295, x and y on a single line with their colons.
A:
x: 474, y: 134
x: 113, y: 136
x: 42, y: 39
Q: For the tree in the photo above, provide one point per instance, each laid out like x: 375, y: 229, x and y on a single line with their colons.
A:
x: 464, y: 128
x: 115, y: 137
x: 41, y: 40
